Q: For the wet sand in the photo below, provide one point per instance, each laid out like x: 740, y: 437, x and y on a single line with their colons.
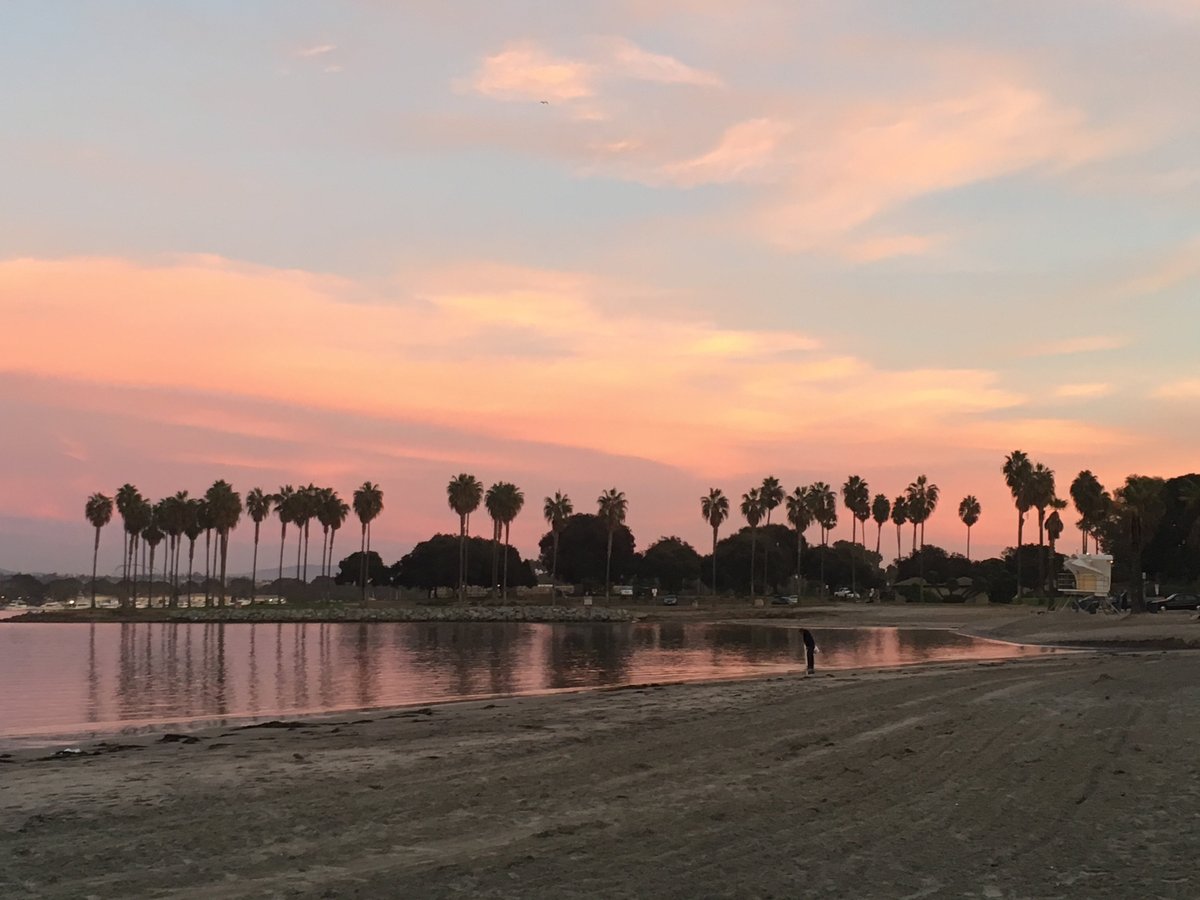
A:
x: 1070, y: 776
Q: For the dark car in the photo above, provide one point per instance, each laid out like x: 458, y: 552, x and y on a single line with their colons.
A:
x: 1174, y: 601
x: 670, y: 600
x: 784, y: 601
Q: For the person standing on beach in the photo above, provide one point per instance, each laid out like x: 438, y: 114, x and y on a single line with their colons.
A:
x: 810, y: 647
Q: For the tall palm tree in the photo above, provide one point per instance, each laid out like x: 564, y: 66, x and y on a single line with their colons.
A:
x: 1017, y: 471
x: 204, y: 517
x: 899, y: 518
x: 556, y: 510
x: 464, y: 493
x: 881, y: 509
x: 225, y: 509
x: 1041, y: 496
x: 714, y: 507
x: 1090, y: 499
x: 128, y: 498
x: 921, y: 499
x: 511, y: 504
x: 752, y: 510
x: 1142, y: 504
x: 799, y: 516
x: 192, y: 529
x: 493, y: 502
x: 172, y: 517
x: 969, y: 511
x: 258, y: 507
x: 770, y: 494
x: 139, y: 519
x: 304, y: 509
x: 153, y: 536
x: 1054, y: 530
x: 98, y: 509
x: 368, y: 504
x: 612, y: 509
x: 823, y: 504
x: 856, y: 494
x: 332, y: 515
x: 284, y: 508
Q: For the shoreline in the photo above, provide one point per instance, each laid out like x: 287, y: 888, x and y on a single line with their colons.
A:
x: 1056, y: 775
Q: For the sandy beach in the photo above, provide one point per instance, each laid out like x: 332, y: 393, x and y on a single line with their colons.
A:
x: 1069, y: 776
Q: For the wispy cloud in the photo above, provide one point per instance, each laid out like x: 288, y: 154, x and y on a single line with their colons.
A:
x: 1083, y: 391
x: 1184, y: 389
x: 1082, y: 344
x: 316, y: 50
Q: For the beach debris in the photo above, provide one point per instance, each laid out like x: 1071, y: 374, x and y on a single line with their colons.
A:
x: 274, y: 723
x: 171, y: 738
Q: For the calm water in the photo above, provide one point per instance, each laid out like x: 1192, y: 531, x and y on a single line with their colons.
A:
x: 63, y: 681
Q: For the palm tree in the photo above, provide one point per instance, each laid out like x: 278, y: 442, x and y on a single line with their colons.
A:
x: 714, y: 507
x: 139, y: 519
x: 612, y: 509
x: 192, y: 528
x: 332, y: 514
x: 464, y: 494
x: 512, y: 500
x: 899, y: 518
x: 284, y: 507
x: 921, y: 499
x: 1142, y: 505
x: 304, y: 509
x: 770, y: 494
x: 752, y: 509
x: 1041, y: 496
x: 368, y: 504
x: 225, y: 509
x: 799, y: 516
x: 493, y: 502
x: 128, y: 498
x: 1054, y: 530
x: 204, y: 518
x: 1090, y: 499
x: 1017, y: 471
x: 98, y: 509
x: 258, y: 507
x: 153, y: 536
x: 556, y: 510
x: 881, y: 509
x: 969, y: 510
x: 823, y: 505
x: 172, y: 517
x: 857, y: 496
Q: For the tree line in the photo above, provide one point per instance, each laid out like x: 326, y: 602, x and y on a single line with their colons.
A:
x: 1123, y: 522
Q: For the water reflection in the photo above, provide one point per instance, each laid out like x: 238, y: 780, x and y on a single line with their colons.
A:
x: 60, y: 679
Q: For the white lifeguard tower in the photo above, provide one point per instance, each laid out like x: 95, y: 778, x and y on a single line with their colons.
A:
x: 1088, y: 575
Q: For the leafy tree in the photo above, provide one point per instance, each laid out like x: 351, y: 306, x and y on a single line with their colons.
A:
x: 1018, y: 472
x: 434, y: 563
x: 752, y: 510
x: 714, y: 507
x: 671, y: 562
x: 735, y: 551
x: 969, y: 511
x: 361, y: 568
x: 464, y: 493
x: 98, y: 509
x: 368, y: 504
x: 556, y: 510
x: 612, y: 507
x: 1140, y: 507
x: 583, y: 556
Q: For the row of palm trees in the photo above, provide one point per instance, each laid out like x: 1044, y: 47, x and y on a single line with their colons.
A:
x: 504, y: 502
x: 816, y: 504
x: 147, y: 524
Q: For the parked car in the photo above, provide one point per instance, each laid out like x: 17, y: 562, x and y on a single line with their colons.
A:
x: 781, y: 600
x: 845, y: 594
x: 1174, y: 601
x: 670, y: 600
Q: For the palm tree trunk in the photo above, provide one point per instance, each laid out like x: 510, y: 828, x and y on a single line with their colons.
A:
x: 1041, y: 552
x: 362, y: 564
x: 608, y: 566
x: 299, y: 549
x: 191, y: 568
x: 95, y: 553
x: 495, y: 557
x: 799, y: 560
x: 223, y: 540
x: 968, y: 543
x: 898, y: 550
x: 305, y: 576
x: 254, y: 565
x: 332, y: 534
x: 207, y: 566
x: 914, y: 549
x: 878, y: 536
x: 753, y: 541
x: 504, y: 583
x: 282, y: 542
x: 1020, y: 530
x: 714, y: 580
x: 822, y: 566
x: 554, y: 559
x: 462, y: 557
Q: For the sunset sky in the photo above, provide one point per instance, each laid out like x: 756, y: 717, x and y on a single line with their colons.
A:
x: 661, y: 246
